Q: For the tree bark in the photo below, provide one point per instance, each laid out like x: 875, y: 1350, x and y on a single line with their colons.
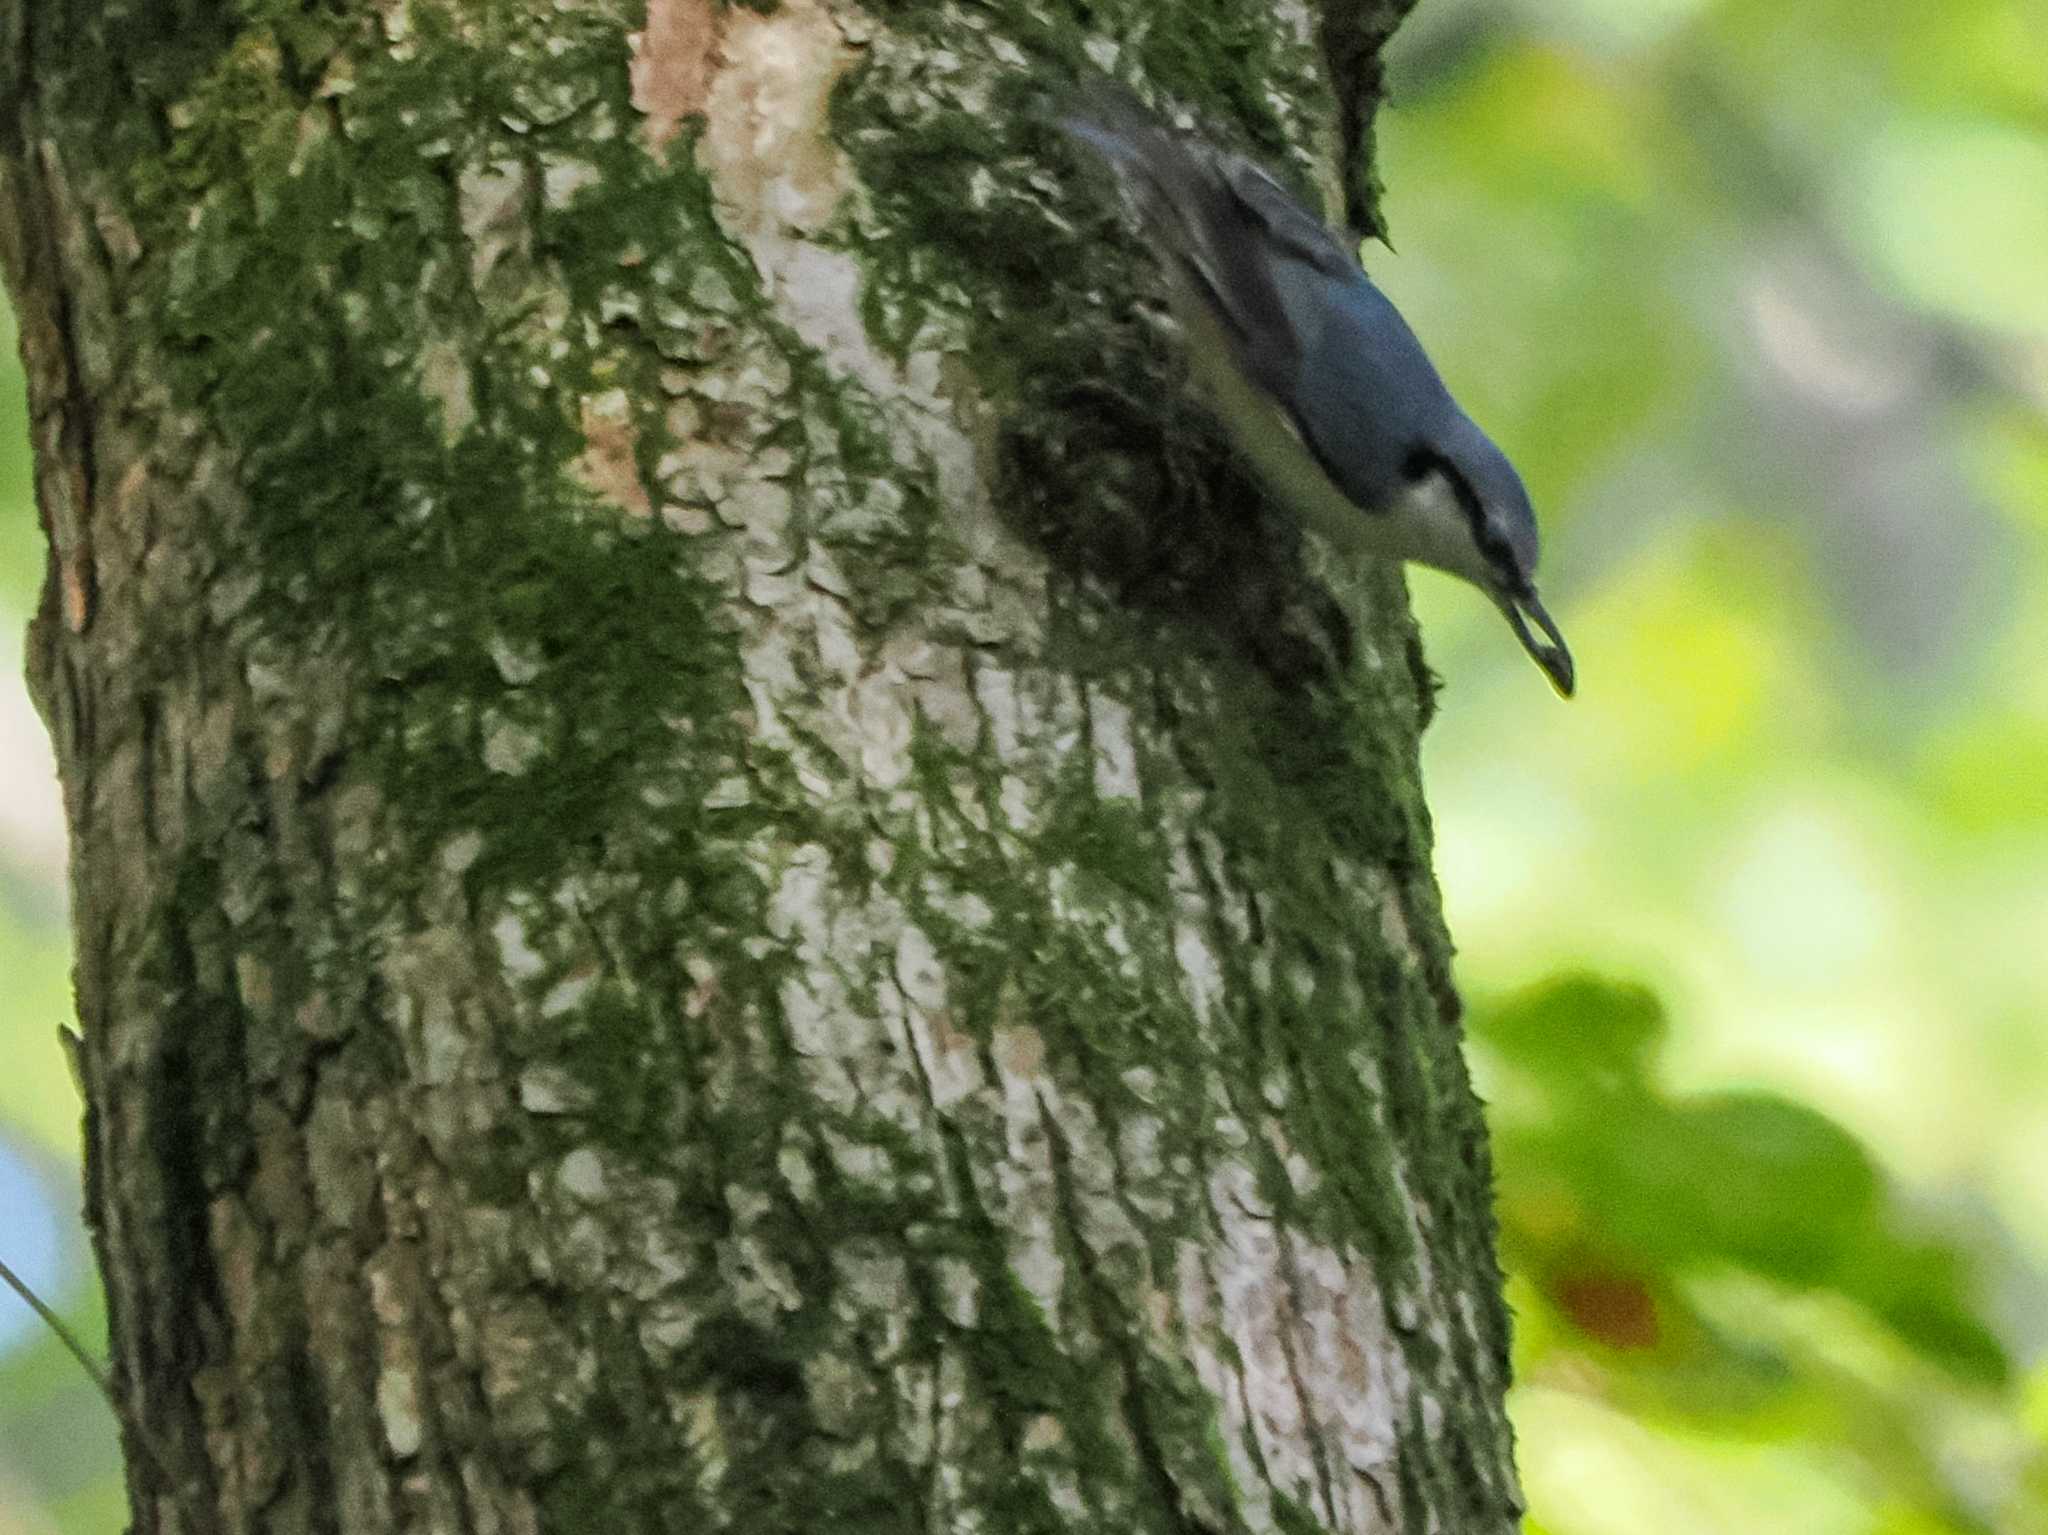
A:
x: 726, y: 876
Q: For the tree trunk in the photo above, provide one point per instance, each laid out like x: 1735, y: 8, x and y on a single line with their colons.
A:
x: 725, y: 875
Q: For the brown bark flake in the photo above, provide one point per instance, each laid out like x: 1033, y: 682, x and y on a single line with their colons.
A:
x: 671, y: 67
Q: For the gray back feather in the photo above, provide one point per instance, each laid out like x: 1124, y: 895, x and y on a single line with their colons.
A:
x: 1304, y: 322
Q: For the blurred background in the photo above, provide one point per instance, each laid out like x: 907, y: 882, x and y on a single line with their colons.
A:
x: 1756, y: 929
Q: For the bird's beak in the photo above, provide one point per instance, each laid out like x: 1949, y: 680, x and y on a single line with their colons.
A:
x: 1554, y: 658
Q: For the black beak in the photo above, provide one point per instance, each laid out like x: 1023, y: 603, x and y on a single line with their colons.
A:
x: 1554, y: 658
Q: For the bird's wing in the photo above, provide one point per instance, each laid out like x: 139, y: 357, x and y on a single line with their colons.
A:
x: 1290, y: 299
x: 1288, y: 223
x: 1224, y: 226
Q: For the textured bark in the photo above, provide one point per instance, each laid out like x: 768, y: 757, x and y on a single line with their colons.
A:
x: 725, y: 876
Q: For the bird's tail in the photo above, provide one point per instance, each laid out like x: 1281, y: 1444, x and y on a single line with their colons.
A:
x: 1217, y: 222
x: 1171, y: 186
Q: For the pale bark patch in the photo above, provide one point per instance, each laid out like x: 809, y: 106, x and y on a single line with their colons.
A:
x: 766, y: 144
x: 510, y: 748
x: 1116, y: 758
x: 444, y: 374
x: 1315, y: 1370
x: 490, y: 200
x: 781, y: 181
x: 516, y: 954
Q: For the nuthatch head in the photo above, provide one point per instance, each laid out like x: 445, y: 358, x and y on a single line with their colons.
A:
x: 1320, y: 381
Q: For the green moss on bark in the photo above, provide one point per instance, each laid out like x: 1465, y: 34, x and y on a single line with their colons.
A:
x: 403, y: 269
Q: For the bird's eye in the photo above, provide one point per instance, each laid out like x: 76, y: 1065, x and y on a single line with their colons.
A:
x: 1419, y: 465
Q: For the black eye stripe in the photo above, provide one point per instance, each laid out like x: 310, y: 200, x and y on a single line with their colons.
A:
x: 1422, y: 460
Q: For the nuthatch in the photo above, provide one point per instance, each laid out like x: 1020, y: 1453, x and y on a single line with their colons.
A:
x: 1320, y: 381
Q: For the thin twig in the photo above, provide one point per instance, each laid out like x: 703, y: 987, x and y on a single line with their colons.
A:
x: 92, y: 1367
x: 65, y: 1336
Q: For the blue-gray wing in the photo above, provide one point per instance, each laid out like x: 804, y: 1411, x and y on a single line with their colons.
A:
x: 1304, y: 323
x: 1218, y: 221
x: 1366, y: 397
x: 1362, y: 393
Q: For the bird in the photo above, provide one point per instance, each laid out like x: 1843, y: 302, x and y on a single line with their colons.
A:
x: 1317, y: 378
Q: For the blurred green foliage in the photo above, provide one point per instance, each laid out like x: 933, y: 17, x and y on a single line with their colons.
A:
x: 1757, y: 296
x: 1733, y: 1267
